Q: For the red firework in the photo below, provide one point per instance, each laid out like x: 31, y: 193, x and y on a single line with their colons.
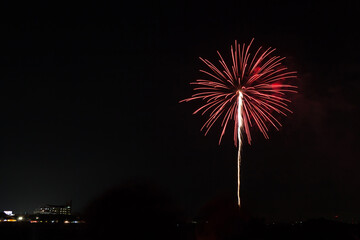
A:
x: 251, y: 92
x: 259, y: 80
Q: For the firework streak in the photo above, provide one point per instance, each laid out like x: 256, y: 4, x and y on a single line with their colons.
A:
x: 252, y: 92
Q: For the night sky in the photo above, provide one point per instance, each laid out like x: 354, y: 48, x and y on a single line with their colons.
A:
x: 90, y: 101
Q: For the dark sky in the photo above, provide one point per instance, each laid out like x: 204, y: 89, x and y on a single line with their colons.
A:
x: 89, y: 101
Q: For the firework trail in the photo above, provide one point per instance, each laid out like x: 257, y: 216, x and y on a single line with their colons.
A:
x: 240, y: 123
x: 252, y: 92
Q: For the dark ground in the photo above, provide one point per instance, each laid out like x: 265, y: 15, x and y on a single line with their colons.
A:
x: 138, y: 211
x: 312, y: 229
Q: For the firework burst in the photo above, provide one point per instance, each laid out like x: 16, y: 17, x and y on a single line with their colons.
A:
x: 251, y: 92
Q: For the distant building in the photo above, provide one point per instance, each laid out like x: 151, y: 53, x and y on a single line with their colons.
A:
x: 9, y: 213
x: 54, y: 209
